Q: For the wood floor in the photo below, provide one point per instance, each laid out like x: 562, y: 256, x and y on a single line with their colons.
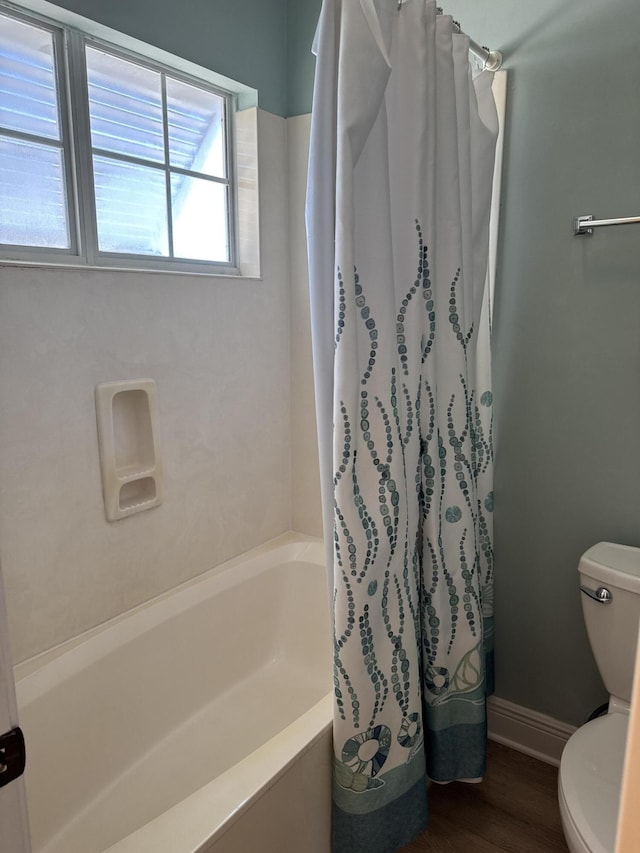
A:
x: 515, y: 808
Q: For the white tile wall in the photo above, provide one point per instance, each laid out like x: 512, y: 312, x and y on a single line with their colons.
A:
x: 305, y: 482
x: 219, y: 350
x: 247, y: 184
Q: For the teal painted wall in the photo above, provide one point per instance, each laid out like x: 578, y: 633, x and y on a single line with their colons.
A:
x: 567, y: 324
x: 265, y: 44
x: 567, y: 333
x: 242, y: 39
x: 302, y: 17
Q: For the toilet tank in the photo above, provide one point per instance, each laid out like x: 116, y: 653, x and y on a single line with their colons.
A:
x: 612, y: 626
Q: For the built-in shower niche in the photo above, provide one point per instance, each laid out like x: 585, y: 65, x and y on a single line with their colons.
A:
x: 127, y: 414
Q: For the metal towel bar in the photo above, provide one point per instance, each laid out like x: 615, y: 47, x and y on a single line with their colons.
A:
x: 585, y: 224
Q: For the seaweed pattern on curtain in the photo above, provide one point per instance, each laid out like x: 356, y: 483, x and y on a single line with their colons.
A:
x: 441, y: 439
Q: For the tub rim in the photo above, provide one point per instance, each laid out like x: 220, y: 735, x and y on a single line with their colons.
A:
x: 201, y: 819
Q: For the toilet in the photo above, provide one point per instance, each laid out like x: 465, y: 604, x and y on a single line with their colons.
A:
x: 591, y: 766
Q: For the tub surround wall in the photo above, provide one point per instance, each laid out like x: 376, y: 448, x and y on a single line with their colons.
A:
x: 306, y: 508
x: 225, y: 408
x: 218, y: 350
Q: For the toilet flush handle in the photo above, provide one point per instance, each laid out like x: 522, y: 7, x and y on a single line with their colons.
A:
x: 602, y: 595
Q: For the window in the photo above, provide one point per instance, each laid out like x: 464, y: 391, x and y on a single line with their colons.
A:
x: 144, y: 179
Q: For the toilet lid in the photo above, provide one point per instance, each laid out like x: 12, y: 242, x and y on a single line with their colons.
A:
x: 591, y: 779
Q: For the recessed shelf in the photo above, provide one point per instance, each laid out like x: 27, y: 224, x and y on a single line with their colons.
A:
x: 132, y: 432
x: 137, y: 493
x: 127, y: 414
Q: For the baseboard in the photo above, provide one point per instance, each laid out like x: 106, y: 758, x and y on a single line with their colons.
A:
x: 527, y: 731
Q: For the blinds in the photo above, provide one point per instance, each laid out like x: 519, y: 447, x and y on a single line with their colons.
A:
x: 130, y: 119
x: 33, y: 207
x: 28, y: 91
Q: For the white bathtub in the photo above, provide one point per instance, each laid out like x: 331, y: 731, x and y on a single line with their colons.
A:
x: 199, y: 721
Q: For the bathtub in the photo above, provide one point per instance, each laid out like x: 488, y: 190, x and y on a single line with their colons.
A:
x: 199, y: 721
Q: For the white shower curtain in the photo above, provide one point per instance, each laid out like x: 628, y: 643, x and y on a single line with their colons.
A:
x: 398, y: 205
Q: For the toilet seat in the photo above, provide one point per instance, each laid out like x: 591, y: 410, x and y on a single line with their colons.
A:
x: 589, y: 784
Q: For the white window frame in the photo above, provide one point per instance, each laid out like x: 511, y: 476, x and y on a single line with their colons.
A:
x: 69, y: 41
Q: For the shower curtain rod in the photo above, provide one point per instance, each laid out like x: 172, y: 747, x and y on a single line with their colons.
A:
x: 491, y: 59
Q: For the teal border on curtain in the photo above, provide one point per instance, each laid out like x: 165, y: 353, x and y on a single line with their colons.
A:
x: 458, y: 752
x: 384, y: 830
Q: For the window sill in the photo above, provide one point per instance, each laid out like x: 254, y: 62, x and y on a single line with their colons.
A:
x: 233, y: 273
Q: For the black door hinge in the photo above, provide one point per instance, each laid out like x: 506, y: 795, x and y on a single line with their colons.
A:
x: 12, y: 756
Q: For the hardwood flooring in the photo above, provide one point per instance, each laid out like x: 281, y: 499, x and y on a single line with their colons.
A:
x: 515, y: 809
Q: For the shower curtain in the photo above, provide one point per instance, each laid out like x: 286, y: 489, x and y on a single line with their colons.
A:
x: 399, y: 196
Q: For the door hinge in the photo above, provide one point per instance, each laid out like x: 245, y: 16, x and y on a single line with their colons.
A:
x: 12, y: 756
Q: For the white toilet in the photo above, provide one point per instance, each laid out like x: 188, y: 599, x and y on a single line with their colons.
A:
x: 591, y: 766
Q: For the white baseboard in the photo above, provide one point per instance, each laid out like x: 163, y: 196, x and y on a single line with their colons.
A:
x: 527, y: 731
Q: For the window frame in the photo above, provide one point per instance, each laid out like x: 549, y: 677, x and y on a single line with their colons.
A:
x: 70, y: 43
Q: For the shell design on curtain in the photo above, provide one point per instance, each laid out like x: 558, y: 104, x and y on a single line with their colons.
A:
x: 401, y: 165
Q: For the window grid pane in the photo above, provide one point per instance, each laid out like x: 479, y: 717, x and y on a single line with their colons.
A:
x: 140, y: 114
x: 200, y: 219
x: 131, y: 208
x: 33, y: 205
x: 196, y: 128
x: 28, y: 85
x: 34, y: 209
x: 125, y: 106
